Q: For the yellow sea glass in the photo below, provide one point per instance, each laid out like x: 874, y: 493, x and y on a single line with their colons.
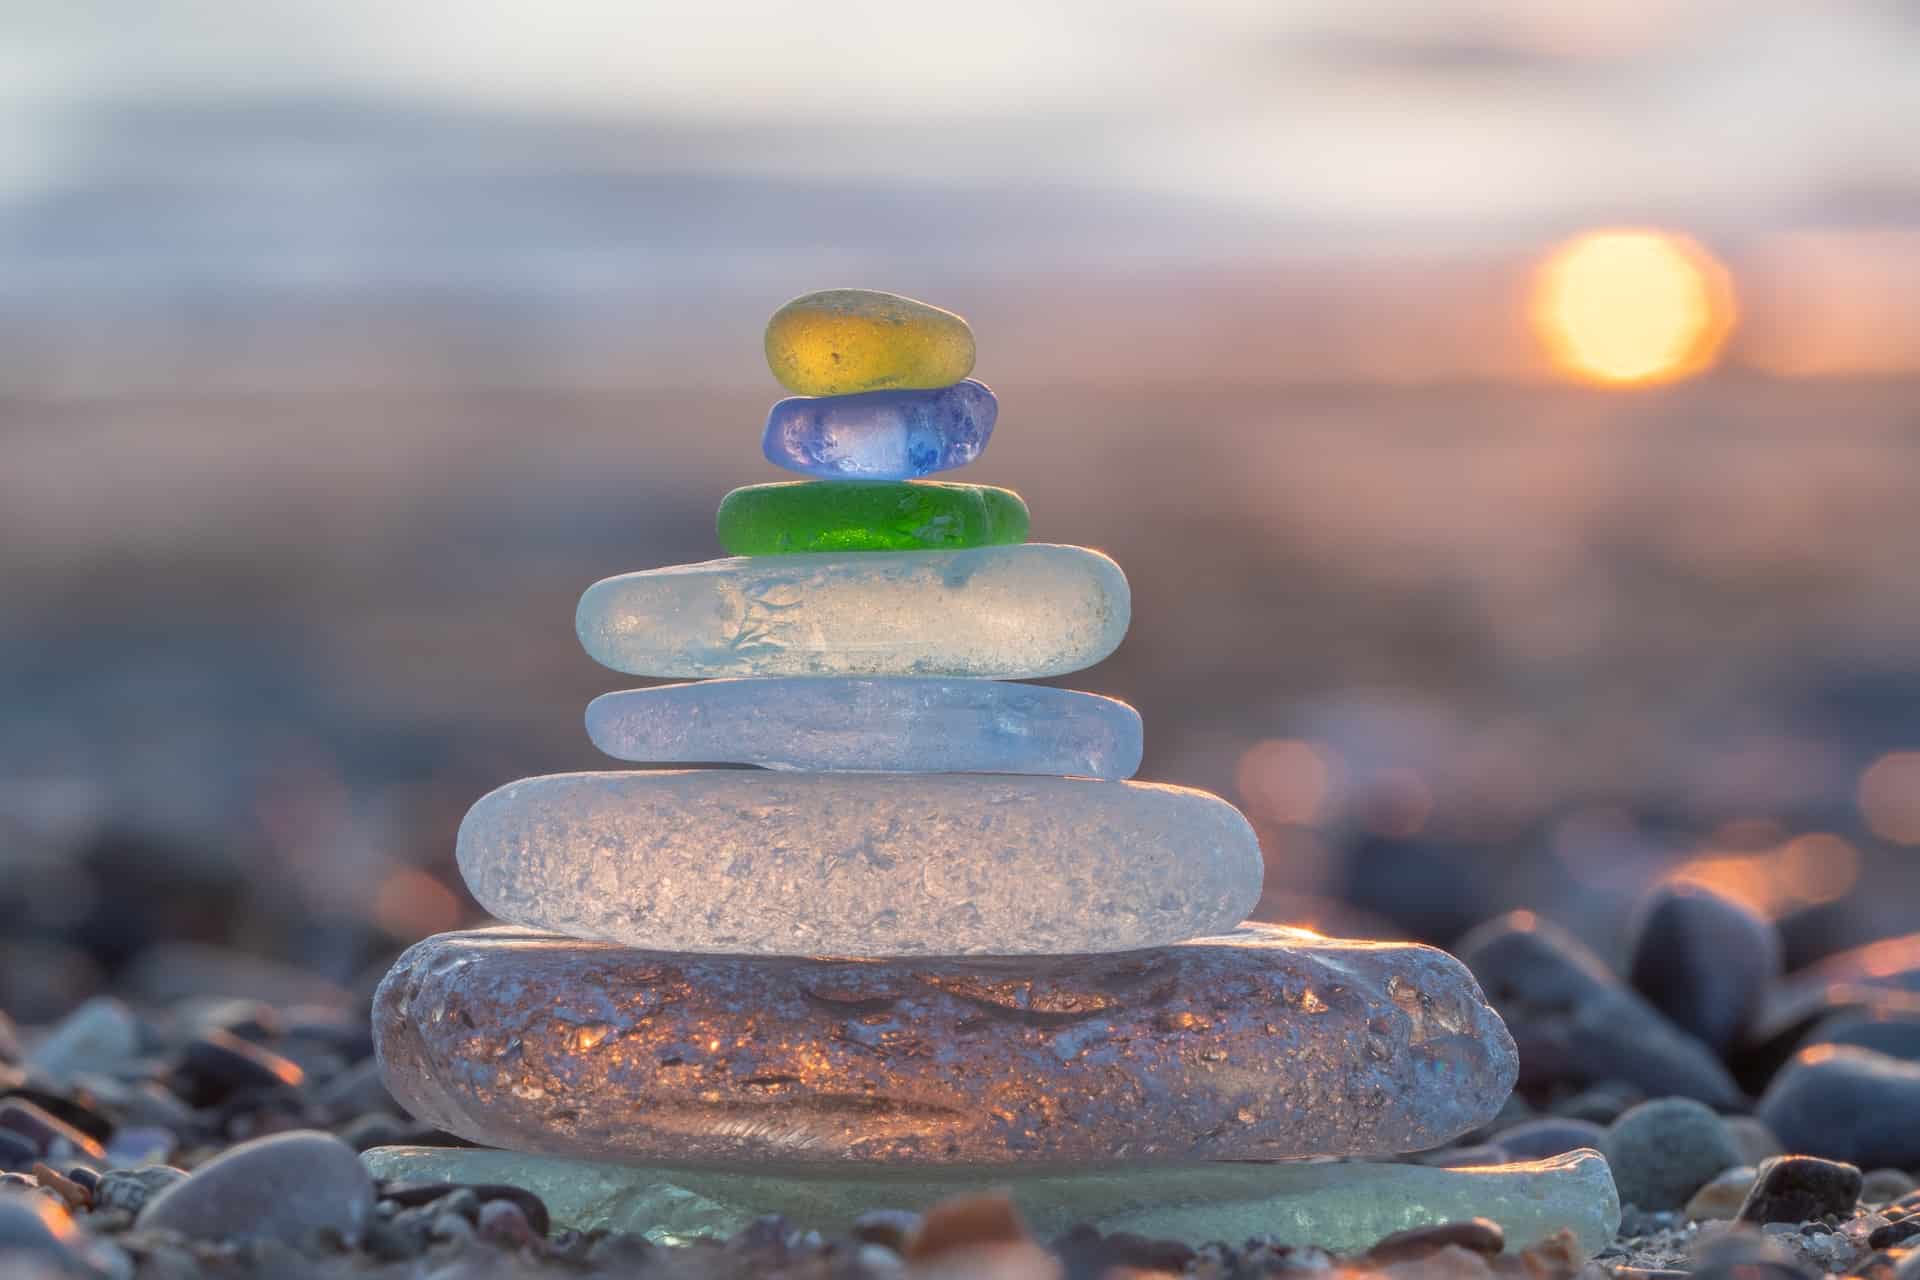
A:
x: 844, y: 341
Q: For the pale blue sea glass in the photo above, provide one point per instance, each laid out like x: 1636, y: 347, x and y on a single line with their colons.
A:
x: 881, y: 435
x: 1006, y: 613
x: 860, y: 725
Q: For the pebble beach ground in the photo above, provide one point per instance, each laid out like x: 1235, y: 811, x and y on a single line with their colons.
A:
x: 1759, y: 1127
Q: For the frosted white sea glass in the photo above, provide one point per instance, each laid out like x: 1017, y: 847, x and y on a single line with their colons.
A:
x: 1009, y: 612
x: 732, y: 861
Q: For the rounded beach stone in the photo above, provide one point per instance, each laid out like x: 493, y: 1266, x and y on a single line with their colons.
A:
x: 868, y: 515
x: 1268, y: 1042
x: 997, y: 612
x: 723, y: 860
x: 898, y: 724
x: 284, y: 1187
x: 840, y: 341
x: 1664, y: 1150
x: 1703, y: 958
x: 882, y: 435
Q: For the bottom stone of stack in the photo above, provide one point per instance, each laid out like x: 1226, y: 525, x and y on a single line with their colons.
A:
x: 1267, y: 1042
x: 1343, y: 1206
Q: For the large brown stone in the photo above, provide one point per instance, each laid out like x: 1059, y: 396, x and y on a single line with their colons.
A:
x: 1269, y: 1042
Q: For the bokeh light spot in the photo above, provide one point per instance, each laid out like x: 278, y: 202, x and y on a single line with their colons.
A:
x: 1630, y: 307
x: 1890, y: 797
x: 1285, y: 780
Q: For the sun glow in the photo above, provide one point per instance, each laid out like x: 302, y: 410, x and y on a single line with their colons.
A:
x: 1626, y: 308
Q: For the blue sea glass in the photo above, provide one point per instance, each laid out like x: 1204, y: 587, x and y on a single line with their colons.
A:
x: 881, y: 435
x: 842, y: 724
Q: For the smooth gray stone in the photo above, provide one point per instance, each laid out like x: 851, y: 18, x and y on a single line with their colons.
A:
x: 1268, y: 1042
x: 1344, y: 1206
x: 1015, y: 612
x: 284, y: 1187
x: 897, y: 724
x: 730, y: 861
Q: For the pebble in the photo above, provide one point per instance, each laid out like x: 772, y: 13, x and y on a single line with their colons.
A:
x: 415, y: 1194
x: 130, y: 1189
x: 1720, y: 1199
x: 1574, y: 1021
x: 1663, y: 1151
x: 1549, y: 1136
x: 843, y: 341
x: 1847, y: 1104
x: 97, y: 1036
x: 1894, y: 1234
x: 898, y: 724
x: 1327, y: 1046
x: 17, y: 1152
x: 284, y: 1187
x: 1703, y: 958
x: 502, y: 1223
x: 1017, y: 613
x: 1476, y: 1235
x: 10, y: 1050
x: 889, y: 1227
x: 219, y: 1063
x: 868, y: 515
x: 761, y: 863
x: 1795, y: 1188
x: 1892, y: 1032
x: 1882, y: 1186
x: 882, y: 435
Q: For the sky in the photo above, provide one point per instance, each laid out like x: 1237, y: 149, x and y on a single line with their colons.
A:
x: 1439, y: 116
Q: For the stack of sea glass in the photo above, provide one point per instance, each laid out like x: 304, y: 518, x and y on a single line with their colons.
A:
x: 935, y: 935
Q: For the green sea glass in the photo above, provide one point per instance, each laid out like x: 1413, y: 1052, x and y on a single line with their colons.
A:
x: 860, y: 515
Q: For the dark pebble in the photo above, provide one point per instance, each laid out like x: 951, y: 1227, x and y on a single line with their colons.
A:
x: 1665, y: 1150
x: 410, y: 1195
x: 1894, y: 1233
x: 1085, y: 1254
x: 1702, y: 958
x: 16, y: 1153
x: 889, y: 1227
x: 1796, y: 1188
x: 1572, y: 1020
x: 75, y: 1108
x: 1475, y: 1234
x: 1549, y: 1136
x: 51, y: 1136
x: 218, y: 1064
x: 83, y: 1176
x: 1847, y: 1104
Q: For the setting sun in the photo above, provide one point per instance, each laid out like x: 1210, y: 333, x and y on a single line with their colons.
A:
x: 1631, y: 307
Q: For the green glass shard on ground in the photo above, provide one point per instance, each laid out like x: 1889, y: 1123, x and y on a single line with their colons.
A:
x: 865, y: 515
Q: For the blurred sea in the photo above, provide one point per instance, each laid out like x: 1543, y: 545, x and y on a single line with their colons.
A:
x: 302, y: 478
